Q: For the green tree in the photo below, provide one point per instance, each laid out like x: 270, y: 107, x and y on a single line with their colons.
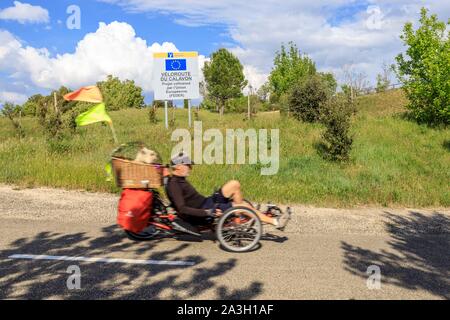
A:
x: 329, y: 82
x: 224, y: 76
x: 382, y: 84
x: 290, y: 66
x: 384, y: 78
x: 32, y: 106
x: 263, y: 92
x: 424, y: 69
x: 119, y: 94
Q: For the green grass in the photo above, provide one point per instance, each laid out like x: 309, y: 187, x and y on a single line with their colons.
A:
x: 394, y: 162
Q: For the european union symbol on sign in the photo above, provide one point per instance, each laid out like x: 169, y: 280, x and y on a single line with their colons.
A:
x: 176, y: 65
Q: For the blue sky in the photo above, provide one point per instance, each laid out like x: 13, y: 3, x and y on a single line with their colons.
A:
x: 38, y: 52
x: 152, y: 27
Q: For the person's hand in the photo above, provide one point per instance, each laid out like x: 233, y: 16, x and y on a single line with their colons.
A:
x: 166, y: 172
x: 218, y: 212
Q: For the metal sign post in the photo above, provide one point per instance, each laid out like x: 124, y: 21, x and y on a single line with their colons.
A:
x: 176, y: 77
x: 166, y: 114
x: 190, y: 115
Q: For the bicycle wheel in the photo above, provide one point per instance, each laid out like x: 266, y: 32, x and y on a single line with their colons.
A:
x: 239, y: 229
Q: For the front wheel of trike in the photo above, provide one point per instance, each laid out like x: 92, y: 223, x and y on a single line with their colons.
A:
x: 239, y: 229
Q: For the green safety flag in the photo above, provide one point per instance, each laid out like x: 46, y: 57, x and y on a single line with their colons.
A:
x: 96, y: 114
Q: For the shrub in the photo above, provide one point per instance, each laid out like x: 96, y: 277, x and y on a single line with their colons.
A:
x: 196, y: 115
x: 210, y: 105
x: 118, y: 94
x: 307, y: 97
x: 152, y: 114
x: 53, y: 124
x: 13, y: 113
x: 336, y: 116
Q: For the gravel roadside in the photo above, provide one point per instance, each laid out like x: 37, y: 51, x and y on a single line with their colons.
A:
x: 86, y: 207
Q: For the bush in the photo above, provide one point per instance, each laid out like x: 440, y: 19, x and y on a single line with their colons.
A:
x: 53, y: 124
x: 196, y: 115
x: 336, y: 116
x: 152, y: 116
x: 307, y: 97
x: 13, y: 113
x: 210, y: 105
x: 118, y: 94
x: 237, y: 105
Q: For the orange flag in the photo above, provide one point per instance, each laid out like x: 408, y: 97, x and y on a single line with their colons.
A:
x: 87, y: 94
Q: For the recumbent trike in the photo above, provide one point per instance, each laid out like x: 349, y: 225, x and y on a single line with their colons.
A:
x: 239, y: 229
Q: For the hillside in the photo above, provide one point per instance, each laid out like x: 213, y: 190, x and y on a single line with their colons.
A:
x: 394, y: 161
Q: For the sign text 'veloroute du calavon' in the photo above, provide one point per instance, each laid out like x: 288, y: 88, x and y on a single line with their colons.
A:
x: 176, y: 76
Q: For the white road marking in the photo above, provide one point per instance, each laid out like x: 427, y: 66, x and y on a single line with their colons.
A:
x: 102, y: 260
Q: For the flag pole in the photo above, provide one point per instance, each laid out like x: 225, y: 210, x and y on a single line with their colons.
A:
x: 113, y: 132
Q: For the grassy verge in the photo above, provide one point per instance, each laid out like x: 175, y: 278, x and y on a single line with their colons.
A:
x: 394, y: 162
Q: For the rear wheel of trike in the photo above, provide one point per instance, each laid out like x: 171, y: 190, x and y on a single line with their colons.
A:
x: 239, y: 229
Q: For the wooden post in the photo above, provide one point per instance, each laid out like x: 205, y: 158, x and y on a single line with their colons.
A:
x: 55, y: 102
x: 248, y: 107
x: 250, y: 89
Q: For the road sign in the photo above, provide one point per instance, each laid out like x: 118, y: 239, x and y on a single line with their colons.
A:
x: 176, y: 76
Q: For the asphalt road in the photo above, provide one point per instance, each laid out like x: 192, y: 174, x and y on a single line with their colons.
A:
x: 323, y: 254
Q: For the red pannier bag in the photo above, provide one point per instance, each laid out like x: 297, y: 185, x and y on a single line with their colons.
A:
x: 134, y: 209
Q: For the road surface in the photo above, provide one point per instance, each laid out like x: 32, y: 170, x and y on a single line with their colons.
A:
x: 323, y: 254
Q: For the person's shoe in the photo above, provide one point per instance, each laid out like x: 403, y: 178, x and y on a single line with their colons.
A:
x: 149, y: 230
x: 185, y: 227
x: 283, y: 220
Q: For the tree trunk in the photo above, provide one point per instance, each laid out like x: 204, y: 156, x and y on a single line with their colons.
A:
x: 222, y: 107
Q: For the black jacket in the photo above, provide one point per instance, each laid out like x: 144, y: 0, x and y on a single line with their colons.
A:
x: 185, y: 198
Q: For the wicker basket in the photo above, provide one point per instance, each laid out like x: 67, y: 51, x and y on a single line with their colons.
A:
x: 137, y: 175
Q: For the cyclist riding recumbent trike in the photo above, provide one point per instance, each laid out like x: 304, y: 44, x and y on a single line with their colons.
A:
x: 145, y: 214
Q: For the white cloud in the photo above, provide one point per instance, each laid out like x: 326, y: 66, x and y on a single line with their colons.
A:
x: 332, y: 32
x: 13, y: 97
x: 257, y: 29
x: 113, y: 49
x: 25, y: 13
x: 254, y: 77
